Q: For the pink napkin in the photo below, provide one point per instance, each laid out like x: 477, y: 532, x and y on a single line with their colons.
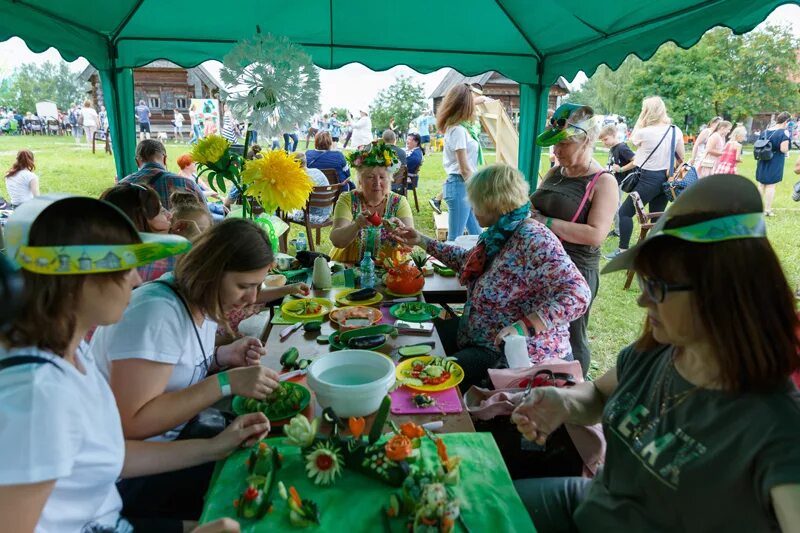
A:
x: 446, y: 401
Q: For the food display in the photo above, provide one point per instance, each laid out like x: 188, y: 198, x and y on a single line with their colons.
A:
x: 284, y: 402
x: 307, y: 308
x: 263, y: 465
x: 415, y: 311
x: 349, y: 297
x: 355, y: 317
x: 368, y: 338
x: 362, y: 294
x: 429, y: 373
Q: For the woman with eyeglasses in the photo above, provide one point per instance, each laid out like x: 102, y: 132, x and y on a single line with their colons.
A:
x: 656, y: 139
x: 701, y: 421
x: 577, y: 200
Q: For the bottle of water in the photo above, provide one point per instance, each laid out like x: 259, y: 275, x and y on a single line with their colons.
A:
x: 367, y: 272
x: 300, y: 244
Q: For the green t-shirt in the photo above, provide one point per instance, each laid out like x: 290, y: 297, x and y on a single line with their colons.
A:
x: 706, y: 464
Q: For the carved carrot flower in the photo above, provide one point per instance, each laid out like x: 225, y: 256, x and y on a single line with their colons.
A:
x: 398, y: 448
x: 356, y: 424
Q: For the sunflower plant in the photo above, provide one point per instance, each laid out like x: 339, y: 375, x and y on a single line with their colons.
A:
x: 277, y: 181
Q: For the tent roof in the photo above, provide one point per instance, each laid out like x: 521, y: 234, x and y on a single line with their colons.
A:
x: 527, y: 42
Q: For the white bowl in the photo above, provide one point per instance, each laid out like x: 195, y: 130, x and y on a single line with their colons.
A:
x: 352, y: 382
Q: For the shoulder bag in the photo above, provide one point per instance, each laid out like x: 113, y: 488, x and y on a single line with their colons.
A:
x: 632, y: 180
x: 684, y: 176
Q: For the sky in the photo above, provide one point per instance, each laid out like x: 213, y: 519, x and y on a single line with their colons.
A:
x: 353, y: 86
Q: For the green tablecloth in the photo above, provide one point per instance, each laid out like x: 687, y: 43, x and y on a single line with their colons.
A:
x: 354, y: 502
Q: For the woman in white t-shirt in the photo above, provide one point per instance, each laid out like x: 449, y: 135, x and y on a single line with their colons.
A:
x: 91, y: 120
x: 657, y: 140
x: 61, y: 438
x: 460, y: 159
x: 362, y: 130
x: 22, y: 184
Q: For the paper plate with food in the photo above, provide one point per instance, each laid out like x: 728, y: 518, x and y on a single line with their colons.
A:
x: 359, y: 297
x: 415, y: 311
x: 306, y: 308
x: 285, y: 402
x: 355, y: 317
x: 429, y: 373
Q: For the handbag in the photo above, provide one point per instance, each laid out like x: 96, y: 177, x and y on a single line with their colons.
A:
x: 632, y: 179
x: 209, y: 422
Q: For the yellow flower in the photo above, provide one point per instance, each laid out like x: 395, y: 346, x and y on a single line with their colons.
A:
x: 387, y: 157
x: 210, y: 149
x: 278, y: 181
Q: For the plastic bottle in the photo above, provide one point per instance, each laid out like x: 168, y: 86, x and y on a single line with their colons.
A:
x: 300, y: 244
x: 516, y: 352
x: 367, y: 272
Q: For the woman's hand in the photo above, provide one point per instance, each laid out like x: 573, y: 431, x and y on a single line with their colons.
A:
x: 505, y: 332
x: 405, y: 234
x: 361, y: 220
x: 253, y: 381
x: 246, y: 351
x: 540, y: 414
x: 299, y: 288
x: 243, y: 432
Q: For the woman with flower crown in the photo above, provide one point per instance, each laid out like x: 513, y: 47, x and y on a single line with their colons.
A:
x: 375, y: 165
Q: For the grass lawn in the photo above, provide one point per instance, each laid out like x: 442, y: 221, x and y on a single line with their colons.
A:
x: 64, y: 166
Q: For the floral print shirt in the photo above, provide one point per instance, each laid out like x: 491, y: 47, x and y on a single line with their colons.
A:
x: 532, y: 274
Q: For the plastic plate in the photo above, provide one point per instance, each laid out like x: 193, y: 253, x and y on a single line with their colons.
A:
x: 267, y: 409
x: 293, y: 308
x: 341, y: 298
x: 426, y: 311
x: 403, y: 371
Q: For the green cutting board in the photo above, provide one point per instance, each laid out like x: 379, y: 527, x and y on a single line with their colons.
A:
x: 354, y: 502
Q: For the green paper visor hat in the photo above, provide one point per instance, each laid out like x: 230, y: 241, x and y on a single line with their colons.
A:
x: 567, y: 121
x: 714, y: 194
x: 78, y: 258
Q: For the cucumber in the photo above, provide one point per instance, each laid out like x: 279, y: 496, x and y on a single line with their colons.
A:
x: 303, y: 363
x: 314, y: 325
x: 289, y: 357
x: 367, y: 342
x: 380, y: 420
x: 323, y: 339
x: 414, y: 350
x: 360, y: 295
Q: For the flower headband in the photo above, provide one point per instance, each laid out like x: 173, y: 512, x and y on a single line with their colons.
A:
x: 567, y: 121
x: 79, y: 258
x: 375, y: 154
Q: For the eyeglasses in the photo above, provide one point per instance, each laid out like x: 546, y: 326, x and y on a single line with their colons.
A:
x: 657, y: 290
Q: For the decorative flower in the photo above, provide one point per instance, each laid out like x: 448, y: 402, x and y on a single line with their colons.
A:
x: 411, y: 430
x: 441, y: 449
x: 398, y: 448
x: 210, y: 150
x: 375, y: 154
x: 324, y: 463
x: 278, y: 181
x: 356, y: 424
x: 300, y: 432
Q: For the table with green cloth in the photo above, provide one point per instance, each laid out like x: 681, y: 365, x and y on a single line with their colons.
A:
x: 355, y: 501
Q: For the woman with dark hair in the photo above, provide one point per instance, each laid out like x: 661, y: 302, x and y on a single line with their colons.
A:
x: 769, y: 173
x: 143, y: 206
x: 161, y: 359
x: 21, y: 182
x: 61, y: 438
x: 323, y: 156
x: 701, y: 421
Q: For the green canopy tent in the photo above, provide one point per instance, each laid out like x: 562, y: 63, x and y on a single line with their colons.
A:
x: 530, y: 42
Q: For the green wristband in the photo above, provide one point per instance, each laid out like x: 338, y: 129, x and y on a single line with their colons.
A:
x: 549, y: 222
x: 519, y: 329
x: 224, y: 384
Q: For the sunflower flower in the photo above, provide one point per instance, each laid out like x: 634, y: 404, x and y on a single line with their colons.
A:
x: 210, y: 150
x: 324, y: 463
x: 278, y: 181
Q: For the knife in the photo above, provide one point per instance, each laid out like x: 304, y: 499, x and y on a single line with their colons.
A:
x: 398, y: 301
x: 293, y: 374
x: 285, y: 332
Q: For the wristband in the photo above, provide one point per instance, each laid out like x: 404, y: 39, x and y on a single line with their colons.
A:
x: 224, y: 384
x: 216, y: 361
x: 519, y: 329
x: 549, y: 222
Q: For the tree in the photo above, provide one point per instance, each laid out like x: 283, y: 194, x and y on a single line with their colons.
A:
x: 31, y: 83
x: 404, y: 100
x: 734, y: 76
x: 340, y: 113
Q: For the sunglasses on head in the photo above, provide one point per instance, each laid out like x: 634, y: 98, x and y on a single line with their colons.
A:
x: 562, y: 123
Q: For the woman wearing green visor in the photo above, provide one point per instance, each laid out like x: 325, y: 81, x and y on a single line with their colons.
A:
x: 60, y: 432
x: 701, y: 421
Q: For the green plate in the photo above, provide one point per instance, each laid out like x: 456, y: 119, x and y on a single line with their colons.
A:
x: 338, y: 341
x: 273, y: 414
x: 425, y: 311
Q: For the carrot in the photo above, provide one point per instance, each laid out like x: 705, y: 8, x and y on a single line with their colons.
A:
x: 356, y: 424
x: 295, y: 497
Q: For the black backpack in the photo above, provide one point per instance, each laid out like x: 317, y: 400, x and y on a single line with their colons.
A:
x: 762, y: 148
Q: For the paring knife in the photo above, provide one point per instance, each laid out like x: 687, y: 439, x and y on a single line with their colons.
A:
x: 399, y: 301
x: 285, y: 332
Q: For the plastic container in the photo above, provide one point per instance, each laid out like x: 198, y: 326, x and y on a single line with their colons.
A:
x: 300, y: 244
x: 322, y: 274
x: 367, y: 269
x: 351, y: 382
x: 516, y: 351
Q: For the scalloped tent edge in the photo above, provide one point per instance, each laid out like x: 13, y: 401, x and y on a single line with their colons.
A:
x: 569, y: 38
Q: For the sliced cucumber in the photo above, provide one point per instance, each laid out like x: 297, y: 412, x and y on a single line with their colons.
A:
x: 414, y: 350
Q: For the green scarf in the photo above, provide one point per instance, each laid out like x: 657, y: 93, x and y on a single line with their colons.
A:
x: 496, y: 235
x: 474, y: 130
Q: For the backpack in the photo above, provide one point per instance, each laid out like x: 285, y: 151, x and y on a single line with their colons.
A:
x: 762, y: 148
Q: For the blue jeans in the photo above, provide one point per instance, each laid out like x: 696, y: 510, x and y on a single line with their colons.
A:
x: 460, y: 213
x: 293, y: 138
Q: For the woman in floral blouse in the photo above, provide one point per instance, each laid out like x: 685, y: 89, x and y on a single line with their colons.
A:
x: 519, y: 279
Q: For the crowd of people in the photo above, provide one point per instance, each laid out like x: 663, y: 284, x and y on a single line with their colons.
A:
x: 108, y: 417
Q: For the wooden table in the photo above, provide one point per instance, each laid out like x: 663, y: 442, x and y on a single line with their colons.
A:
x: 309, y: 348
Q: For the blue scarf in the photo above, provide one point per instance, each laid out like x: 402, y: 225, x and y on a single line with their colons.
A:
x: 491, y: 242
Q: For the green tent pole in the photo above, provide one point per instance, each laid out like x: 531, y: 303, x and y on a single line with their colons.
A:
x: 533, y: 113
x: 119, y: 100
